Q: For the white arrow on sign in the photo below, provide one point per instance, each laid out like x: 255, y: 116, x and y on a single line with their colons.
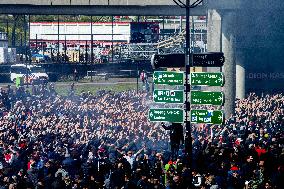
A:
x: 156, y: 61
x: 154, y: 78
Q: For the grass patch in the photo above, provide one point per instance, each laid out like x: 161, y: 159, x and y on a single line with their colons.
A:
x: 64, y: 89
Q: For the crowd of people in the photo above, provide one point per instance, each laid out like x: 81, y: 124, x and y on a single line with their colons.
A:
x: 105, y: 140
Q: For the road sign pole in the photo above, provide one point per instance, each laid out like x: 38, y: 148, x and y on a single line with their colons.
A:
x: 188, y: 140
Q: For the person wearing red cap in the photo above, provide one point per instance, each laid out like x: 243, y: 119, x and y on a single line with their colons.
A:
x: 234, y: 179
x: 234, y: 168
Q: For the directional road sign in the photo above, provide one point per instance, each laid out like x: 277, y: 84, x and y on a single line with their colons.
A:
x: 172, y: 115
x: 168, y: 96
x: 168, y: 78
x: 207, y: 78
x: 207, y: 116
x: 209, y: 59
x: 207, y: 98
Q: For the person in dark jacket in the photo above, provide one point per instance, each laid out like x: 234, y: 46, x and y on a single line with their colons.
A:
x: 129, y: 183
x: 247, y: 168
x: 102, y: 167
x: 58, y: 182
x: 117, y: 176
x: 143, y: 182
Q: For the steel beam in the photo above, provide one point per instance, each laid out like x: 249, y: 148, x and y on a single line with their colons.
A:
x: 100, y: 10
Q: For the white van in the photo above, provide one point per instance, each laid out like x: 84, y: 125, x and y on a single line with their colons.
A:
x: 35, y: 73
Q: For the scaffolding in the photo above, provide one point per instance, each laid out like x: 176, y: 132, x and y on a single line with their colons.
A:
x: 142, y: 51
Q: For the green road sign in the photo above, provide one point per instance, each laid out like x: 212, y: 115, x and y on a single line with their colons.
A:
x: 207, y: 78
x: 172, y: 115
x: 207, y: 116
x: 207, y: 98
x: 168, y: 78
x: 168, y: 96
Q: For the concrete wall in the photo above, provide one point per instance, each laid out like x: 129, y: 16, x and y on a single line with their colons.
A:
x: 258, y: 43
x: 260, y: 38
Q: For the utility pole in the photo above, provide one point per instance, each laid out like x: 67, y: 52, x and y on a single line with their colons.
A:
x: 112, y: 55
x: 26, y: 50
x: 36, y: 44
x: 58, y: 27
x: 65, y: 51
x: 86, y: 52
x: 29, y: 30
x: 30, y: 52
x: 7, y: 28
x: 92, y: 40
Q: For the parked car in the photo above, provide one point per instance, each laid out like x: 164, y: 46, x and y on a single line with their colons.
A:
x: 30, y: 73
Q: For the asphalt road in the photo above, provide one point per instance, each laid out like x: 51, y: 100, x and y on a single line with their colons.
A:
x: 80, y: 83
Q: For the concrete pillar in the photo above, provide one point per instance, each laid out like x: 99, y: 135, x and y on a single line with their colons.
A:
x: 213, y: 31
x: 213, y: 39
x: 229, y: 68
x: 221, y: 38
x: 240, y: 75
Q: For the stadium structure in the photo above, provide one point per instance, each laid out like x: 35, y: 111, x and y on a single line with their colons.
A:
x: 115, y: 40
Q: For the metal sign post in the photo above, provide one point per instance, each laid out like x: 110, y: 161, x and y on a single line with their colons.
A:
x: 188, y: 139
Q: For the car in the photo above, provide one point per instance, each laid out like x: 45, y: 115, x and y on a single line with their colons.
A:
x: 31, y: 73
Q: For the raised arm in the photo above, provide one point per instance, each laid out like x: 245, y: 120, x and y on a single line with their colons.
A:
x: 166, y: 127
x: 139, y: 151
x: 119, y: 151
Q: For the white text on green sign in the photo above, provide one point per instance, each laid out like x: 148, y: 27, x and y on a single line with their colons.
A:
x: 207, y: 116
x: 168, y: 78
x: 168, y: 96
x: 207, y: 98
x: 172, y: 115
x: 207, y: 79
